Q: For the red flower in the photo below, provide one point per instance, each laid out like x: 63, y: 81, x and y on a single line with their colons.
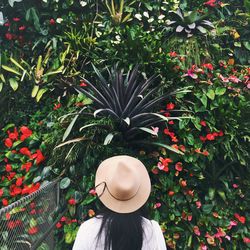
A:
x: 241, y: 219
x: 52, y: 21
x: 72, y: 201
x: 33, y: 230
x: 170, y: 106
x: 178, y: 166
x: 210, y: 137
x: 171, y: 193
x: 203, y: 138
x: 220, y: 133
x: 203, y: 123
x: 58, y: 225
x: 8, y: 168
x: 17, y: 190
x: 19, y: 181
x: 8, y: 143
x: 211, y: 3
x: 246, y: 240
x: 57, y: 106
x: 21, y: 28
x: 92, y: 192
x: 173, y: 54
x: 25, y: 151
x: 63, y: 219
x: 16, y: 19
x: 163, y: 164
x: 171, y: 122
x: 1, y: 192
x: 26, y: 166
x: 208, y: 66
x: 13, y: 135
x: 7, y: 24
x: 5, y: 202
x: 183, y: 183
x: 155, y: 170
x: 26, y: 132
x: 39, y: 156
x: 83, y: 83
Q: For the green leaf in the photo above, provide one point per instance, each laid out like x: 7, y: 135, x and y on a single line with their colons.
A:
x: 210, y: 94
x: 40, y: 94
x: 207, y: 208
x: 220, y: 91
x: 16, y: 63
x: 204, y: 100
x: 1, y: 86
x: 64, y: 183
x: 11, y: 70
x: 13, y: 83
x: 69, y: 128
x: 246, y: 45
x: 34, y: 91
x: 190, y: 139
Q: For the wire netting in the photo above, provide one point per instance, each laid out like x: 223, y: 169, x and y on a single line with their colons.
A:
x: 28, y: 222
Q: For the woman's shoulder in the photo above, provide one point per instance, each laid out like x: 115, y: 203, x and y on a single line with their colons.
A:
x: 91, y: 222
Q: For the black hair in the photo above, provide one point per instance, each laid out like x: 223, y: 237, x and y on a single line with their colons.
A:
x: 122, y: 231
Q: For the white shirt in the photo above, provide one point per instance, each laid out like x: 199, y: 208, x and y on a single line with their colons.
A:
x: 86, y: 236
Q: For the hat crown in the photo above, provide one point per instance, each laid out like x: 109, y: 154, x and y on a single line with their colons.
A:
x: 124, y: 182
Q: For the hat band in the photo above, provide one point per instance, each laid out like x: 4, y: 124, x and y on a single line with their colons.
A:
x: 106, y: 186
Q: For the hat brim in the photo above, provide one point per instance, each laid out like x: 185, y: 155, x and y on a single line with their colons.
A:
x: 112, y: 203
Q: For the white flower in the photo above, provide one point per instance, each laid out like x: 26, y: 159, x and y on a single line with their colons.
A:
x: 150, y: 20
x: 145, y: 13
x: 59, y: 20
x: 161, y: 17
x: 83, y: 3
x: 138, y: 16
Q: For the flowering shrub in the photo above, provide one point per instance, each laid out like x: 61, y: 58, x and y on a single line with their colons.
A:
x: 20, y: 161
x: 200, y: 195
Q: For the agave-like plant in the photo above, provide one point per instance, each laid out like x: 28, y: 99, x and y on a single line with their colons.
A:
x: 189, y: 23
x: 132, y: 104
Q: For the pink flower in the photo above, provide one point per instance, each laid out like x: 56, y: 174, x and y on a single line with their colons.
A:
x: 16, y: 19
x: 191, y: 74
x: 235, y: 185
x: 21, y: 28
x: 197, y: 230
x: 92, y: 191
x: 224, y: 79
x: 198, y: 204
x: 234, y: 79
x: 178, y: 166
x: 157, y: 205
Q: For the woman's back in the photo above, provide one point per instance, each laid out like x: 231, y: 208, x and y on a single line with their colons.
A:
x: 87, y: 235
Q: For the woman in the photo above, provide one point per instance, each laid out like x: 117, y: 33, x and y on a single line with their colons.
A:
x: 123, y: 185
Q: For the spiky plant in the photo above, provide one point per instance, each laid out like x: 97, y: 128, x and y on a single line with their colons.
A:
x: 189, y: 23
x: 131, y: 103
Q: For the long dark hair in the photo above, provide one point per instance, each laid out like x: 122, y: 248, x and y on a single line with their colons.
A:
x: 122, y: 231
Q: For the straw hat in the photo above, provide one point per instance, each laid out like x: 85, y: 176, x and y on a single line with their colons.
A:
x: 122, y: 183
